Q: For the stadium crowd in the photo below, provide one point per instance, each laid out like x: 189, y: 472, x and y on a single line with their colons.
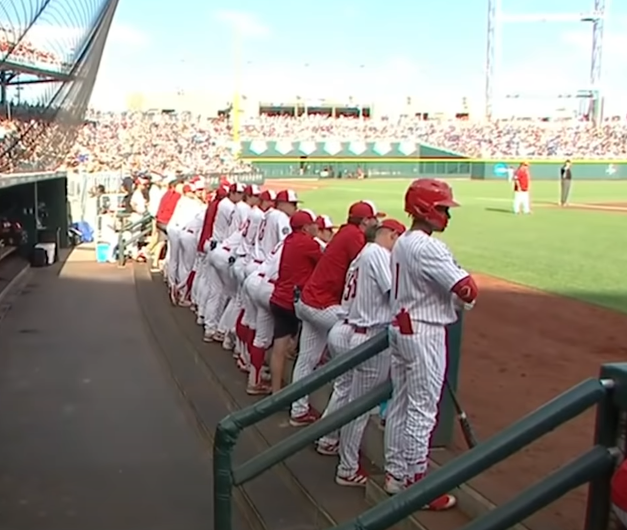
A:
x: 23, y: 51
x: 30, y: 139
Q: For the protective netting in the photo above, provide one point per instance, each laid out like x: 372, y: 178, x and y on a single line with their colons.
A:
x: 61, y: 42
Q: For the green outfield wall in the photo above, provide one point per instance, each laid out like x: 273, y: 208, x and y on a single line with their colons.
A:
x: 333, y: 159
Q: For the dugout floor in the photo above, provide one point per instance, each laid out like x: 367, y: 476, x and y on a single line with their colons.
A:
x: 93, y: 433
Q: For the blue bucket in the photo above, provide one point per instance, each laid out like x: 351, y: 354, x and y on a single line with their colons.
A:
x: 102, y: 252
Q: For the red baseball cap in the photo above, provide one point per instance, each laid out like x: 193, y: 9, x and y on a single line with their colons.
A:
x: 287, y: 196
x: 394, y: 225
x: 221, y: 192
x: 188, y: 188
x: 324, y: 222
x: 302, y: 218
x: 237, y: 187
x: 267, y: 195
x: 364, y: 210
x: 252, y: 190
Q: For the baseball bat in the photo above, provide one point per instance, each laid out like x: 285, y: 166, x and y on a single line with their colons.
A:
x: 468, y: 432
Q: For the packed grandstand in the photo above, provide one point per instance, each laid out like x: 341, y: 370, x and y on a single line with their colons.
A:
x: 111, y: 142
x: 162, y: 141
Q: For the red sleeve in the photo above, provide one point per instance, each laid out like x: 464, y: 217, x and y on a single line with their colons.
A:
x: 163, y: 203
x: 207, y: 225
x: 313, y: 250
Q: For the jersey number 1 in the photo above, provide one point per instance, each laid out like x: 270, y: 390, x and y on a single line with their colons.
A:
x: 397, y: 271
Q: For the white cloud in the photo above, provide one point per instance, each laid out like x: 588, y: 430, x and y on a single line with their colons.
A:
x: 245, y: 23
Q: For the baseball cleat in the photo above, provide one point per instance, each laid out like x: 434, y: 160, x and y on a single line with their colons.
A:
x: 261, y: 389
x: 302, y: 420
x: 328, y: 448
x: 393, y: 485
x: 359, y: 480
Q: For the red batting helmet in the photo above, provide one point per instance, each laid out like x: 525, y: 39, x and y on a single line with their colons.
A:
x: 426, y: 199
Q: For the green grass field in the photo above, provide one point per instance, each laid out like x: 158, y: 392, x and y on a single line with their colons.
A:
x: 576, y: 253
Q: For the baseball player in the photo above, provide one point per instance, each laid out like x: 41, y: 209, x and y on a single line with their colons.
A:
x: 188, y: 242
x: 223, y: 227
x: 186, y: 208
x: 325, y: 230
x: 244, y: 266
x: 365, y: 299
x: 258, y: 288
x: 427, y: 286
x: 369, y: 313
x: 521, y: 189
x: 320, y: 305
x: 198, y: 289
x: 166, y: 207
x: 275, y: 226
x: 223, y: 258
x: 300, y: 255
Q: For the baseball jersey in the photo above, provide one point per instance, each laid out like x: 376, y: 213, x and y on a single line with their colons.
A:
x: 236, y: 226
x: 250, y: 229
x: 299, y: 256
x: 167, y: 205
x: 270, y: 267
x: 347, y: 299
x: 208, y: 222
x: 423, y: 274
x: 194, y: 224
x: 368, y: 288
x: 185, y: 210
x: 155, y: 193
x: 326, y: 284
x: 222, y: 223
x: 274, y: 227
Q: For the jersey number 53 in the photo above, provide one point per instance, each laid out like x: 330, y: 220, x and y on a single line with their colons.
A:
x: 350, y: 289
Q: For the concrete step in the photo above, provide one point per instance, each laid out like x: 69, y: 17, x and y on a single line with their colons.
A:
x: 300, y: 493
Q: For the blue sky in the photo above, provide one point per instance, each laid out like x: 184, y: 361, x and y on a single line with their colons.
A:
x: 362, y: 48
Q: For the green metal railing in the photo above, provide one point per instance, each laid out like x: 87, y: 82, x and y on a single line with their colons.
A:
x: 226, y: 476
x: 142, y: 228
x: 596, y: 466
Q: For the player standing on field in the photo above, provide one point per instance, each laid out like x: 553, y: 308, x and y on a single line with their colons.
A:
x: 521, y: 189
x: 427, y: 287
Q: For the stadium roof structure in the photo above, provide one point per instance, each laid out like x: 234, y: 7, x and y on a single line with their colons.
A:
x: 50, y: 53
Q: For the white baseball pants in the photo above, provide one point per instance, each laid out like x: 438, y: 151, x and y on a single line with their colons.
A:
x: 316, y: 324
x: 366, y: 376
x: 418, y: 368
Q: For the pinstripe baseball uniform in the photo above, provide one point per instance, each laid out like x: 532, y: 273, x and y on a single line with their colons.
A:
x: 367, y: 289
x: 320, y: 305
x: 224, y: 227
x: 423, y: 274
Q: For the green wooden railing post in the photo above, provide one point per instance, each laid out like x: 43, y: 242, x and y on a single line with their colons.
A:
x: 225, y: 438
x: 606, y: 433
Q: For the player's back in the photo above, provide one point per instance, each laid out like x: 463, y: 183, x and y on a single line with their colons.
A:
x: 250, y: 229
x: 423, y: 273
x: 275, y: 227
x: 325, y: 287
x: 371, y: 283
x: 224, y: 216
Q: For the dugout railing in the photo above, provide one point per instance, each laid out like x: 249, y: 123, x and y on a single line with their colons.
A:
x: 608, y: 393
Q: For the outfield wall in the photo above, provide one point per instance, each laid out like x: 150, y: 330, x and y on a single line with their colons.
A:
x: 284, y: 159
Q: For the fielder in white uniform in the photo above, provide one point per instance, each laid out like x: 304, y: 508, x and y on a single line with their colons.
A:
x: 427, y: 287
x: 223, y: 227
x: 367, y: 299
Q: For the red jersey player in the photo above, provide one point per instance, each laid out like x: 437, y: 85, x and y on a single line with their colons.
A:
x: 320, y: 304
x: 300, y: 254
